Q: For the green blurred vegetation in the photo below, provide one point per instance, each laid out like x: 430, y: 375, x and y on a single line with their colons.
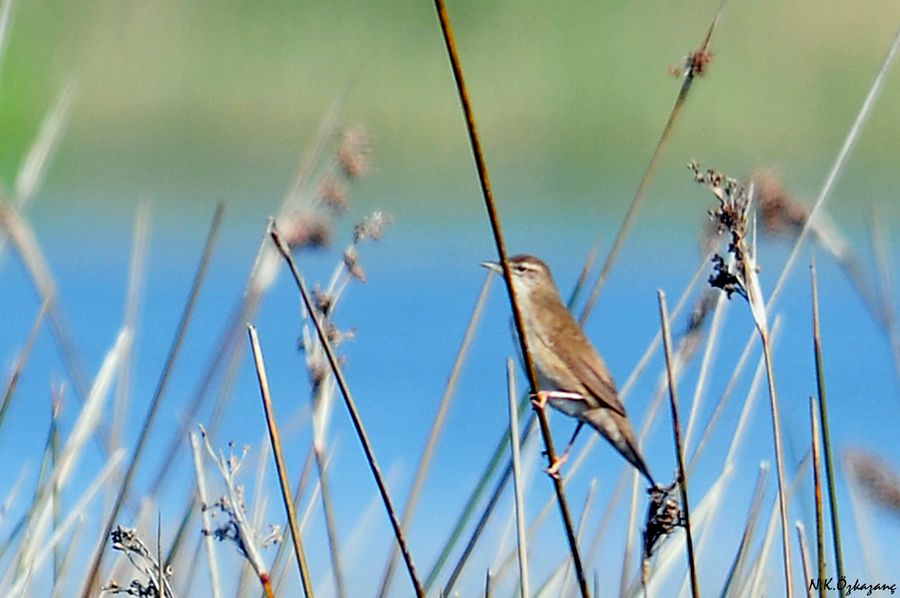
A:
x: 204, y: 100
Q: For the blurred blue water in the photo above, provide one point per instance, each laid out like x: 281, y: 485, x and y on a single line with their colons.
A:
x: 409, y: 318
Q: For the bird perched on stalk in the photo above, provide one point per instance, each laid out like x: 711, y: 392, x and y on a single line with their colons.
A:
x: 579, y: 383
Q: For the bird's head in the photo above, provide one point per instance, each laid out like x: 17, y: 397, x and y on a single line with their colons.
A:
x: 528, y: 273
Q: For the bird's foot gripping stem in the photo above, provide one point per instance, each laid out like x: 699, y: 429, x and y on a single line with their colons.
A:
x: 558, y: 462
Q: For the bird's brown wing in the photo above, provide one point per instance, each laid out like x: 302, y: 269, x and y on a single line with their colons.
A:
x: 592, y: 372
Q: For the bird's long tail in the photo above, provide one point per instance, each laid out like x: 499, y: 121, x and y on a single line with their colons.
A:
x: 618, y: 431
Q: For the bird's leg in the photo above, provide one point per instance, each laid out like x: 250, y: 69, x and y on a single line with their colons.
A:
x: 553, y: 470
x: 539, y: 399
x: 542, y: 397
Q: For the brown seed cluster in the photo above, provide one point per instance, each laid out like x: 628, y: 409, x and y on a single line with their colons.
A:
x: 730, y: 217
x: 882, y: 485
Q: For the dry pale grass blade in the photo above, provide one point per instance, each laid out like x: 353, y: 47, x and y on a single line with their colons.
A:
x: 862, y: 517
x: 137, y: 269
x: 5, y: 22
x: 706, y: 366
x: 804, y: 559
x: 753, y: 585
x: 322, y: 409
x: 736, y: 572
x: 500, y: 243
x: 21, y: 360
x: 275, y: 438
x: 31, y: 173
x: 881, y: 249
x: 504, y: 563
x: 84, y: 428
x: 474, y: 500
x: 695, y: 65
x: 351, y: 408
x: 518, y: 482
x: 156, y: 399
x: 77, y: 510
x: 356, y: 548
x: 215, y: 583
x: 437, y: 426
x: 840, y: 162
x: 28, y: 248
x: 67, y: 557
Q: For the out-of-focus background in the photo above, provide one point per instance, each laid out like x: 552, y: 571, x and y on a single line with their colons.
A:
x: 181, y: 105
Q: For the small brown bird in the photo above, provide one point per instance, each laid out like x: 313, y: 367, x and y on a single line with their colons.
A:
x: 568, y: 363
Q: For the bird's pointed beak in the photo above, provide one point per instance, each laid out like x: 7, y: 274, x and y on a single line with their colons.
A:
x: 495, y: 266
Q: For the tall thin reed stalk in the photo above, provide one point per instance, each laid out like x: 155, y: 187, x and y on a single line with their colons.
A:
x: 804, y: 561
x: 351, y: 408
x: 679, y: 449
x: 437, y: 427
x: 825, y: 427
x: 494, y: 218
x: 695, y: 65
x: 213, y: 563
x: 21, y: 360
x: 518, y: 482
x: 96, y: 562
x: 275, y: 438
x: 740, y: 558
x: 817, y: 494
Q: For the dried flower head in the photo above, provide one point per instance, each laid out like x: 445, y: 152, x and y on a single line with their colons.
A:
x: 371, y: 227
x: 236, y: 526
x: 731, y: 216
x: 127, y: 541
x: 882, y: 485
x: 355, y: 152
x: 663, y: 516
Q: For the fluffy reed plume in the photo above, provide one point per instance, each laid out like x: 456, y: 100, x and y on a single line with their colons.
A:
x: 152, y: 573
x: 880, y: 481
x: 309, y: 224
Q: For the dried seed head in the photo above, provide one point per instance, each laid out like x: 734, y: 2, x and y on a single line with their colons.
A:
x: 779, y: 211
x: 730, y: 216
x: 351, y: 262
x: 306, y: 229
x: 333, y: 193
x: 881, y: 483
x: 371, y: 227
x: 355, y: 152
x: 324, y: 301
x: 663, y: 516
